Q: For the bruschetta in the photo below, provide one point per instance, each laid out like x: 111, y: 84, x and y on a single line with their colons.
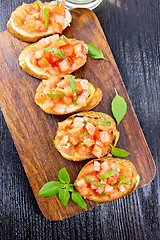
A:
x: 67, y: 95
x: 30, y: 22
x: 86, y: 135
x: 107, y: 179
x: 53, y: 56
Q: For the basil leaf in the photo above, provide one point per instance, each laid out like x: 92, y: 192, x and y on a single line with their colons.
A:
x: 120, y: 182
x: 53, y: 3
x: 108, y: 174
x: 55, y: 95
x: 73, y: 87
x: 59, y: 89
x: 64, y: 176
x: 94, y: 52
x: 107, y: 123
x: 39, y: 7
x: 58, y: 52
x: 118, y: 152
x: 84, y: 143
x: 94, y: 183
x: 101, y: 116
x: 76, y: 197
x: 46, y: 18
x: 102, y: 194
x: 50, y: 189
x: 119, y: 107
x: 82, y: 135
x: 48, y: 49
x: 128, y: 183
x: 62, y: 37
x: 64, y: 196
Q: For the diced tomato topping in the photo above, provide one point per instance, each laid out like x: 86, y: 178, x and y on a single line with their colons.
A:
x: 64, y: 66
x: 78, y: 122
x: 81, y: 100
x: 59, y: 108
x: 64, y: 140
x: 96, y: 166
x: 30, y: 17
x: 105, y: 136
x: 97, y: 151
x: 88, y: 184
x: 67, y: 148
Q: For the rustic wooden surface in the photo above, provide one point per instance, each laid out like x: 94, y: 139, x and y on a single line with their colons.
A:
x: 132, y: 30
x: 33, y: 130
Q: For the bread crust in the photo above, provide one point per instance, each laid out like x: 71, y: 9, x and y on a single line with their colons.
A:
x: 119, y: 162
x: 90, y: 114
x: 92, y: 101
x: 33, y: 37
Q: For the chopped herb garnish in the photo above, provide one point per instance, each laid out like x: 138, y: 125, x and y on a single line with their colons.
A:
x: 120, y: 182
x: 39, y: 7
x: 46, y: 18
x: 62, y: 37
x: 58, y: 52
x: 102, y: 194
x: 53, y: 3
x: 107, y: 123
x: 82, y: 135
x: 128, y: 183
x: 59, y: 89
x: 79, y: 92
x: 108, y: 174
x: 94, y: 183
x: 48, y: 49
x: 84, y: 143
x: 85, y: 122
x: 55, y: 95
x: 101, y: 116
x: 88, y: 153
x: 73, y: 87
x: 72, y: 117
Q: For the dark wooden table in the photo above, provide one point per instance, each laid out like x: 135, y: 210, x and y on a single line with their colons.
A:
x: 132, y: 28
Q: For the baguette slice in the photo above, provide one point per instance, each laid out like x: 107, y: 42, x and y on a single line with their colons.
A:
x: 74, y: 126
x: 75, y: 60
x: 60, y: 106
x: 25, y: 36
x: 107, y: 193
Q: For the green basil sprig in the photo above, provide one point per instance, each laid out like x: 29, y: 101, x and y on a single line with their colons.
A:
x: 119, y: 107
x: 46, y: 18
x: 120, y: 182
x: 73, y: 87
x: 58, y: 52
x: 55, y: 95
x: 94, y: 52
x: 94, y: 183
x: 101, y: 116
x: 84, y: 143
x: 82, y: 135
x: 118, y: 152
x: 108, y: 174
x: 63, y: 189
x: 53, y: 3
x: 128, y: 183
x: 106, y: 123
x: 102, y: 194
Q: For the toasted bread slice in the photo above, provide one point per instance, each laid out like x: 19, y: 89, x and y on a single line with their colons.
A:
x: 89, y: 152
x: 25, y: 36
x: 93, y: 169
x: 48, y: 104
x: 43, y: 73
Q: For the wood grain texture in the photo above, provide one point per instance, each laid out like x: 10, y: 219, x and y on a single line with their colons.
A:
x: 33, y: 130
x: 132, y: 29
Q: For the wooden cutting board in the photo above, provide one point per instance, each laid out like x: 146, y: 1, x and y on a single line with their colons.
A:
x: 33, y: 130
